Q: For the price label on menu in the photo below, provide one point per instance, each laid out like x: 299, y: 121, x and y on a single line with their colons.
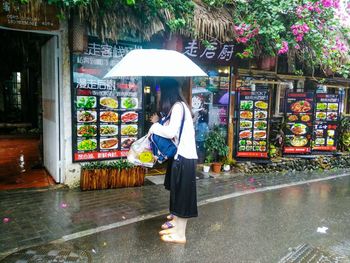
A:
x: 252, y: 127
x: 299, y: 120
x: 106, y: 113
x: 326, y: 122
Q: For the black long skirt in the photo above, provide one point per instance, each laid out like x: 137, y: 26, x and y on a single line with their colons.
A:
x: 167, y: 180
x: 183, y: 192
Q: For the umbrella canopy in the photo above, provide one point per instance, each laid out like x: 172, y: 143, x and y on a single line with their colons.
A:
x: 225, y: 98
x: 198, y: 90
x: 156, y: 63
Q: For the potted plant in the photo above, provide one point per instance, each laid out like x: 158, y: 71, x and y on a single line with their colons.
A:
x: 228, y: 162
x: 105, y: 175
x: 207, y: 164
x: 215, y: 146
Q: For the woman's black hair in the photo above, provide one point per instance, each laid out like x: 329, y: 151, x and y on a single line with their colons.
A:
x: 170, y: 93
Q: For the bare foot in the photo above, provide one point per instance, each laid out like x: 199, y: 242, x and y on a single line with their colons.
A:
x: 168, y: 225
x: 173, y: 238
x: 166, y: 231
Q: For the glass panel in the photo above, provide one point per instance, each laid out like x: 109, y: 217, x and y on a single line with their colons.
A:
x: 210, y: 100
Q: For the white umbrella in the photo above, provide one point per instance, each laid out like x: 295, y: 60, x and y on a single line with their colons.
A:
x: 155, y: 62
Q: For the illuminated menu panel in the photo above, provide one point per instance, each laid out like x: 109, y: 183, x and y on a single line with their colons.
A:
x: 299, y: 121
x: 252, y: 126
x: 326, y: 122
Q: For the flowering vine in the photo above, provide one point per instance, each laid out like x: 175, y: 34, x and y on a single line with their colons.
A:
x: 314, y: 30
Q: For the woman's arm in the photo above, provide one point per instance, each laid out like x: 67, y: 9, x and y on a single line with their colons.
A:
x: 170, y: 131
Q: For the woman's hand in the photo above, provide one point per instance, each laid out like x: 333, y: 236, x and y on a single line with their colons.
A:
x: 154, y: 118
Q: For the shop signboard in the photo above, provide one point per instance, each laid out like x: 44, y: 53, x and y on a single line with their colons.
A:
x: 253, y: 124
x: 326, y: 123
x: 106, y: 113
x: 215, y: 52
x: 14, y: 14
x: 299, y: 123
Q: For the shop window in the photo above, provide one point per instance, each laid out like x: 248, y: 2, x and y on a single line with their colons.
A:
x: 280, y: 99
x: 13, y: 97
x: 14, y: 92
x: 210, y: 100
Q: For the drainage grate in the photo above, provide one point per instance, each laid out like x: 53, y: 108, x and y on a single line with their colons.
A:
x: 307, y: 254
x: 34, y: 255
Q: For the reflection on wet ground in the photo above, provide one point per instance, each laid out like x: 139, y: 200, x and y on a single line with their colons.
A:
x: 20, y: 164
x: 260, y: 227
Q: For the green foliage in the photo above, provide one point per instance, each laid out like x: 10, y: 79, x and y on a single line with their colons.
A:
x: 215, y: 144
x: 345, y: 133
x: 119, y: 164
x: 68, y: 3
x: 217, y: 3
x: 208, y: 160
x: 229, y: 161
x: 315, y: 39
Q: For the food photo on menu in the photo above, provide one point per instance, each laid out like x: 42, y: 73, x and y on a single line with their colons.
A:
x: 301, y: 106
x: 86, y: 116
x: 87, y: 145
x: 246, y: 105
x: 129, y: 116
x: 299, y: 141
x: 130, y: 130
x: 299, y: 128
x: 261, y: 105
x: 127, y: 142
x: 129, y: 103
x: 260, y: 114
x: 108, y: 102
x: 108, y: 130
x: 108, y: 116
x: 86, y: 102
x: 86, y: 130
x: 109, y: 143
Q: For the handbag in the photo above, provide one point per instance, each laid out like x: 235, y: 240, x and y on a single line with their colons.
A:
x: 164, y: 148
x: 140, y: 153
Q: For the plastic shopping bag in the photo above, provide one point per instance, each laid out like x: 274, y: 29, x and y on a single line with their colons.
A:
x: 140, y: 153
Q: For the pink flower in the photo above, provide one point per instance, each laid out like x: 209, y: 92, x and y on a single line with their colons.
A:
x: 5, y: 220
x: 327, y: 3
x: 243, y: 40
x: 284, y: 49
x: 296, y: 46
x: 336, y: 4
x: 245, y: 53
x: 299, y: 38
x: 305, y: 28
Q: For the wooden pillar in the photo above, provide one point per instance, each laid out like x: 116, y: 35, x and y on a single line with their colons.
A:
x: 231, y: 124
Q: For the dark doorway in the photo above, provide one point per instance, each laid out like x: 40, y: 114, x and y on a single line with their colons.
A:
x: 21, y: 110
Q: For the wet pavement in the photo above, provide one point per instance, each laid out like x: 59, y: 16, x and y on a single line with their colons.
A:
x: 258, y: 227
x: 310, y: 222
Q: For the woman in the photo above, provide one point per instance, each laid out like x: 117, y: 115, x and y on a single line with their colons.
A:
x: 182, y: 173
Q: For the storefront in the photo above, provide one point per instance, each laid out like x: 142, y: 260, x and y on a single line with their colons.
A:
x: 30, y: 90
x: 303, y: 117
x: 107, y: 114
x: 211, y: 97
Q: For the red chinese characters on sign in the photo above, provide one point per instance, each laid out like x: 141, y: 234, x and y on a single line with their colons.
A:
x: 297, y: 149
x: 252, y: 154
x: 99, y: 155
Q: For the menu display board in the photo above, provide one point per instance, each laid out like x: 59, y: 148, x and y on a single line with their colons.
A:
x: 299, y: 118
x: 106, y: 113
x: 252, y: 128
x: 326, y: 122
